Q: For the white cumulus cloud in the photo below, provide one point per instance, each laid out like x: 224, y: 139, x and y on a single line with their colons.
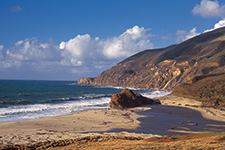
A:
x: 192, y: 33
x: 18, y: 43
x: 77, y: 46
x: 183, y: 35
x: 209, y: 8
x: 32, y: 50
x: 83, y: 47
x: 80, y: 56
x: 128, y: 43
x: 220, y: 24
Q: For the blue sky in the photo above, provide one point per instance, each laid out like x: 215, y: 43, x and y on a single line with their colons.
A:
x: 71, y: 39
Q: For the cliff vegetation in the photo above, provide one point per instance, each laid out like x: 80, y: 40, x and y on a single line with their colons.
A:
x: 210, y: 90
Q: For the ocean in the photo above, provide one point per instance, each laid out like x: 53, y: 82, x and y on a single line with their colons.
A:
x: 27, y: 100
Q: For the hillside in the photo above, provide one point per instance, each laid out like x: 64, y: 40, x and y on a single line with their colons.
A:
x: 165, y: 68
x: 210, y: 90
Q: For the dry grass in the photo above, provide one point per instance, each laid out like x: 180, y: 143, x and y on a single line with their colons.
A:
x: 206, y: 141
x: 215, y: 141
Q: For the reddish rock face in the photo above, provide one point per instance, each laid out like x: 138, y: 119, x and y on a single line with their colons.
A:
x: 128, y: 99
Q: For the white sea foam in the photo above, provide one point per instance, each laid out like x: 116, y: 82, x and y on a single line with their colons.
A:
x: 145, y: 92
x: 29, y: 112
x: 110, y: 86
x: 155, y: 93
x: 66, y: 105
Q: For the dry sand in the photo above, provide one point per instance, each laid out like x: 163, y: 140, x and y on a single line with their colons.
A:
x: 71, y: 126
x: 94, y: 122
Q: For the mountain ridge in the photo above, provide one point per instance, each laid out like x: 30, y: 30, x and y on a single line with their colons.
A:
x: 165, y: 68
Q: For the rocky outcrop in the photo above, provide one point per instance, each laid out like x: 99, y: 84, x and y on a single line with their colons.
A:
x: 168, y: 67
x: 86, y: 81
x: 128, y: 99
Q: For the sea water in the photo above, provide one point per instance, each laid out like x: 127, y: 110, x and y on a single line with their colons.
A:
x: 27, y: 100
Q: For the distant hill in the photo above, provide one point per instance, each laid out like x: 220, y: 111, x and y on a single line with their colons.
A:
x: 165, y: 68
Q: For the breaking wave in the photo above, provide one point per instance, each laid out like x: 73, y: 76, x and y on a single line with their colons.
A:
x: 27, y: 100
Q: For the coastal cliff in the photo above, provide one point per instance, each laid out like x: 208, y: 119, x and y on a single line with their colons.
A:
x: 165, y: 68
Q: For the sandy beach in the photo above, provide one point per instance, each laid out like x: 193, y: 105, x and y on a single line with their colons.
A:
x: 207, y: 112
x: 70, y: 126
x: 92, y: 123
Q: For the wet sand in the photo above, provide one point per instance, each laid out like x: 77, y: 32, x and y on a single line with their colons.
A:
x: 206, y: 112
x: 170, y: 120
x: 145, y: 122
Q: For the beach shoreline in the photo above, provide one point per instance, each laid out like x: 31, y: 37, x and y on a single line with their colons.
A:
x: 93, y: 123
x: 78, y: 124
x: 207, y: 113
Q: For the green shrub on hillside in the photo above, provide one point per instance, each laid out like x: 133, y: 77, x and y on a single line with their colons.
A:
x: 209, y: 90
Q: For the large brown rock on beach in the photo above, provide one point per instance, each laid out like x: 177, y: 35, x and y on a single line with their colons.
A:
x: 128, y: 99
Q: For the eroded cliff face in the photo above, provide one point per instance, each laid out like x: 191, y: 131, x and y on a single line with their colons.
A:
x: 166, y: 75
x: 167, y: 67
